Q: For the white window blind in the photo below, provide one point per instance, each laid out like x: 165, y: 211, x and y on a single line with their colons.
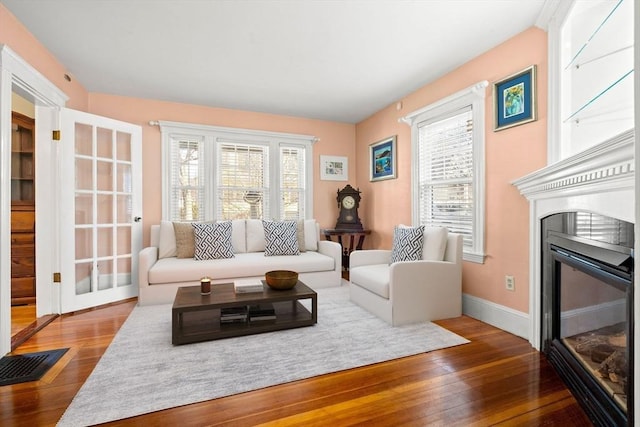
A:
x: 292, y: 182
x: 187, y: 183
x: 217, y: 173
x: 243, y: 181
x: 446, y: 174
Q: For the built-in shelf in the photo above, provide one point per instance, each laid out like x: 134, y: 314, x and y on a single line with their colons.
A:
x: 595, y: 69
x: 23, y: 281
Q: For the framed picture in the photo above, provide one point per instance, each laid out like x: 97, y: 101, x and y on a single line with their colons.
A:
x: 382, y: 159
x: 514, y: 99
x: 334, y: 168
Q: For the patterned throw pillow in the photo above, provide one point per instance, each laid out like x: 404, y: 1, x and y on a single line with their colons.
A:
x: 212, y: 240
x: 407, y: 244
x: 280, y: 238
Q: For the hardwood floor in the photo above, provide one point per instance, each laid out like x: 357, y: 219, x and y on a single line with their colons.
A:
x: 496, y: 380
x: 21, y: 317
x: 24, y: 323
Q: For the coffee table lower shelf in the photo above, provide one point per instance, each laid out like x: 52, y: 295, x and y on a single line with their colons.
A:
x: 201, y: 322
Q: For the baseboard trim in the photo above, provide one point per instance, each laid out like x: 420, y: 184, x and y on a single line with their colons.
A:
x: 509, y: 320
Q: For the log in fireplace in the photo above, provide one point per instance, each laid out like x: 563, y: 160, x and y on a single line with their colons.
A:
x: 587, y: 307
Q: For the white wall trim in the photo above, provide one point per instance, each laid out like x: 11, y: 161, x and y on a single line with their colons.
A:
x: 510, y: 320
x: 473, y: 96
x: 198, y: 129
x: 210, y: 136
x: 29, y: 79
x: 16, y: 74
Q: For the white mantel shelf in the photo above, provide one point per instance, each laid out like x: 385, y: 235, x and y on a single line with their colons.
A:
x: 607, y: 166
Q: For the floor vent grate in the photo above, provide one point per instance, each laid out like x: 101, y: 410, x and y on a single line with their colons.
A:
x: 20, y: 368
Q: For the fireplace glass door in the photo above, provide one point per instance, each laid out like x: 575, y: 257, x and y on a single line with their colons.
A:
x: 593, y: 326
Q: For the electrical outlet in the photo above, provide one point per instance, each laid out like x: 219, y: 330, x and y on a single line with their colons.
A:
x: 510, y: 283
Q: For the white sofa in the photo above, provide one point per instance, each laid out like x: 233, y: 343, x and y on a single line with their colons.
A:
x: 161, y: 272
x: 410, y: 291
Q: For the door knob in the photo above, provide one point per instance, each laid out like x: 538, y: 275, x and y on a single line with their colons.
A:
x: 137, y: 219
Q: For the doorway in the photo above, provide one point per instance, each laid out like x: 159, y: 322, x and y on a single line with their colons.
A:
x: 24, y: 319
x: 17, y: 76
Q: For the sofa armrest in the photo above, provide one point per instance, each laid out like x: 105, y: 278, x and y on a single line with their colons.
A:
x: 333, y: 250
x: 369, y: 257
x: 432, y: 287
x: 146, y: 258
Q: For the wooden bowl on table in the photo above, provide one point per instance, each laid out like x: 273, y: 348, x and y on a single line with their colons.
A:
x: 281, y: 279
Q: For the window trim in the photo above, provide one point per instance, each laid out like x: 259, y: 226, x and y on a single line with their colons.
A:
x: 211, y: 136
x: 473, y: 96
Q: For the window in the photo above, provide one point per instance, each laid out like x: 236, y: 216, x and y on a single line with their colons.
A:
x: 224, y: 173
x: 448, y: 167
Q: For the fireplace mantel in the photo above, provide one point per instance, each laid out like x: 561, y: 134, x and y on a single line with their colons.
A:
x: 607, y: 166
x: 598, y: 180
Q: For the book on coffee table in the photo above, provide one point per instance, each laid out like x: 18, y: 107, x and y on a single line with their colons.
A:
x: 264, y: 311
x: 247, y: 286
x: 233, y: 314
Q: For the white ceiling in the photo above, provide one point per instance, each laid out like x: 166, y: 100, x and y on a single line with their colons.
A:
x: 339, y: 60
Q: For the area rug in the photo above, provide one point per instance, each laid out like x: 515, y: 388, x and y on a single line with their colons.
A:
x: 142, y: 371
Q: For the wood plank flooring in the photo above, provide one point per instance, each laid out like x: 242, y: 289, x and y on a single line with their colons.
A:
x: 496, y: 380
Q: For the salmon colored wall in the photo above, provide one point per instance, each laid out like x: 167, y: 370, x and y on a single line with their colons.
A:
x: 336, y: 139
x: 509, y: 154
x: 22, y: 42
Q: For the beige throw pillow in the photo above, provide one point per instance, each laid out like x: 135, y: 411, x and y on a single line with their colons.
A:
x: 185, y: 241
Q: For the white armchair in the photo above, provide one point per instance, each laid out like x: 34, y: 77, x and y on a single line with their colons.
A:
x: 409, y: 291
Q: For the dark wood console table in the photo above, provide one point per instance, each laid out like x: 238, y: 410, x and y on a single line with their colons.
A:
x: 347, y: 239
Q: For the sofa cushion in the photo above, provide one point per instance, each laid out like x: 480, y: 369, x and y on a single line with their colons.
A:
x: 251, y: 264
x: 255, y: 235
x: 167, y: 240
x: 300, y: 234
x: 238, y: 236
x: 310, y: 235
x: 184, y: 239
x: 407, y: 244
x: 212, y: 240
x: 374, y: 278
x: 281, y: 238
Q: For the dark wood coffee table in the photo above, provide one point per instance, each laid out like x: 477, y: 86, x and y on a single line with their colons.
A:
x: 196, y: 317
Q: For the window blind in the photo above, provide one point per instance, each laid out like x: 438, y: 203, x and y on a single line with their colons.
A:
x: 292, y: 182
x: 445, y: 150
x: 243, y: 181
x: 603, y: 229
x: 187, y: 189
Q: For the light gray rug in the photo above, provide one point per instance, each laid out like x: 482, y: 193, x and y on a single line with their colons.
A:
x: 142, y: 371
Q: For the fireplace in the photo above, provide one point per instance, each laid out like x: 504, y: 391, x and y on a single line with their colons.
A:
x: 587, y: 306
x: 598, y: 180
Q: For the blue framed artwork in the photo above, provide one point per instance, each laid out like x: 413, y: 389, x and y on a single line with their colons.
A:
x: 514, y: 99
x: 382, y: 159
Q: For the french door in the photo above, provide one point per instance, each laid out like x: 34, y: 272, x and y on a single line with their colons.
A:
x: 101, y: 209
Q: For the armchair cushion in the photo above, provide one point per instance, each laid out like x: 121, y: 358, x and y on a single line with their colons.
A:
x: 435, y: 243
x: 407, y: 244
x: 376, y: 277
